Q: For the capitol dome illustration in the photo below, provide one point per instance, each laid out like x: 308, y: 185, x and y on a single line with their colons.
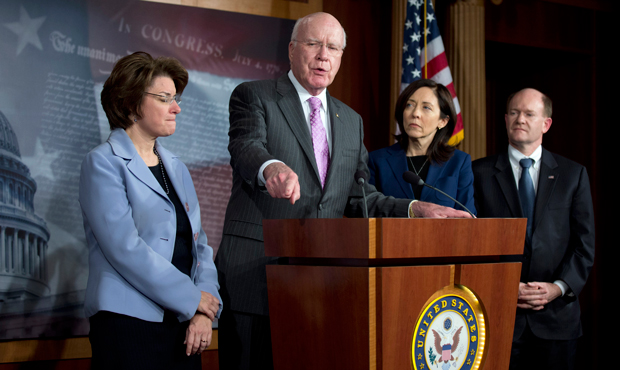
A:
x: 23, y: 234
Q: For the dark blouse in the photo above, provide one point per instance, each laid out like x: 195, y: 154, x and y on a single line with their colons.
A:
x: 418, y: 161
x: 182, y: 257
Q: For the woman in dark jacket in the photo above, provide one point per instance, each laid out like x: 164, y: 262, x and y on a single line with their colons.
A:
x: 426, y: 118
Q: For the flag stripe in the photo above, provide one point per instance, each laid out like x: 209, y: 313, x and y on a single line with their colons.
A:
x: 437, y: 65
x: 435, y: 48
x: 443, y: 77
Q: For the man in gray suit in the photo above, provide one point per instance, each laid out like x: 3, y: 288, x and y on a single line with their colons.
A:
x: 294, y: 152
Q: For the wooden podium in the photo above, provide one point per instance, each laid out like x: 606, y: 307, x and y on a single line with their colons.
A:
x: 350, y: 290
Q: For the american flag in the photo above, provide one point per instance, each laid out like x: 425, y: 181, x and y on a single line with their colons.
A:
x: 424, y: 55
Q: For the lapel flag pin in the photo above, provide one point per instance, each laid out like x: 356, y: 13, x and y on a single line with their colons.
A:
x: 551, y: 177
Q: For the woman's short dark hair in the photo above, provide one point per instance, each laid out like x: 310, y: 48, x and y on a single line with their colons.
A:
x: 439, y: 151
x: 123, y: 91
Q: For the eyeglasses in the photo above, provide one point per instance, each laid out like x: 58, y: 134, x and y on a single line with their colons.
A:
x: 315, y: 46
x: 167, y: 98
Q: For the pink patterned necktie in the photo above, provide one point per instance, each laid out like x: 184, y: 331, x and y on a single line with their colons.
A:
x: 319, y: 138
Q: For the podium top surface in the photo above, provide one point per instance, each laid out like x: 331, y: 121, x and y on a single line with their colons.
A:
x: 386, y: 238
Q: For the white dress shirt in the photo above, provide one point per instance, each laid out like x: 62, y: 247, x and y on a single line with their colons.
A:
x: 304, y: 95
x: 515, y: 156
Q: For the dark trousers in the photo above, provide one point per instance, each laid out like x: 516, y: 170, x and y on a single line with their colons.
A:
x: 122, y: 342
x: 530, y: 353
x: 244, y: 341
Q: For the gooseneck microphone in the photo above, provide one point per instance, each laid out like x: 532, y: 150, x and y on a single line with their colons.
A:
x: 360, y: 178
x: 414, y: 179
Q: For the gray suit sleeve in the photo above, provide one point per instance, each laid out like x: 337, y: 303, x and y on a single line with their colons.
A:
x: 248, y: 134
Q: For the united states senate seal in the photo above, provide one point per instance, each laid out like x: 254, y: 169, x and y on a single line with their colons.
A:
x: 450, y: 332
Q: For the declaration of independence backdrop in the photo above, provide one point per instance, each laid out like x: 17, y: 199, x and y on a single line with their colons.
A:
x: 54, y: 57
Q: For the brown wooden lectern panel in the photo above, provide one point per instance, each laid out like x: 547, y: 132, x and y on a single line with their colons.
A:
x: 393, y: 237
x: 497, y: 284
x: 404, y: 290
x: 314, y: 330
x: 344, y: 305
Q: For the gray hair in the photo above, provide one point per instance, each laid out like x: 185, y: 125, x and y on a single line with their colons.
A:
x: 308, y: 18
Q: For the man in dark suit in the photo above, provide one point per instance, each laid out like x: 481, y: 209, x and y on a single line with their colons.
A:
x: 554, y: 194
x: 294, y: 152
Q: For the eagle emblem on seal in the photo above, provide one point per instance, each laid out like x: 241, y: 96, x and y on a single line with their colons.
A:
x: 447, y: 348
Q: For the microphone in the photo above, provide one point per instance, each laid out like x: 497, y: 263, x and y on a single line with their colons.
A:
x: 414, y: 179
x: 360, y: 178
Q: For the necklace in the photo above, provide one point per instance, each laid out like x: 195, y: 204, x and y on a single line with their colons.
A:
x: 163, y: 174
x: 420, y: 170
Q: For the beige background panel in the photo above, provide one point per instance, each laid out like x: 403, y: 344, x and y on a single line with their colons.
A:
x: 291, y: 9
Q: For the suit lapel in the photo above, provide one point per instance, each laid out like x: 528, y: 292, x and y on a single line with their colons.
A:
x: 174, y: 170
x: 546, y: 183
x: 142, y: 173
x: 434, y: 172
x: 123, y: 147
x: 338, y: 132
x: 398, y: 164
x: 294, y: 114
x: 506, y: 180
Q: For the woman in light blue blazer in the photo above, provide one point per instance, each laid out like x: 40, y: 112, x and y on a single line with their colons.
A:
x: 152, y: 290
x: 426, y: 118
